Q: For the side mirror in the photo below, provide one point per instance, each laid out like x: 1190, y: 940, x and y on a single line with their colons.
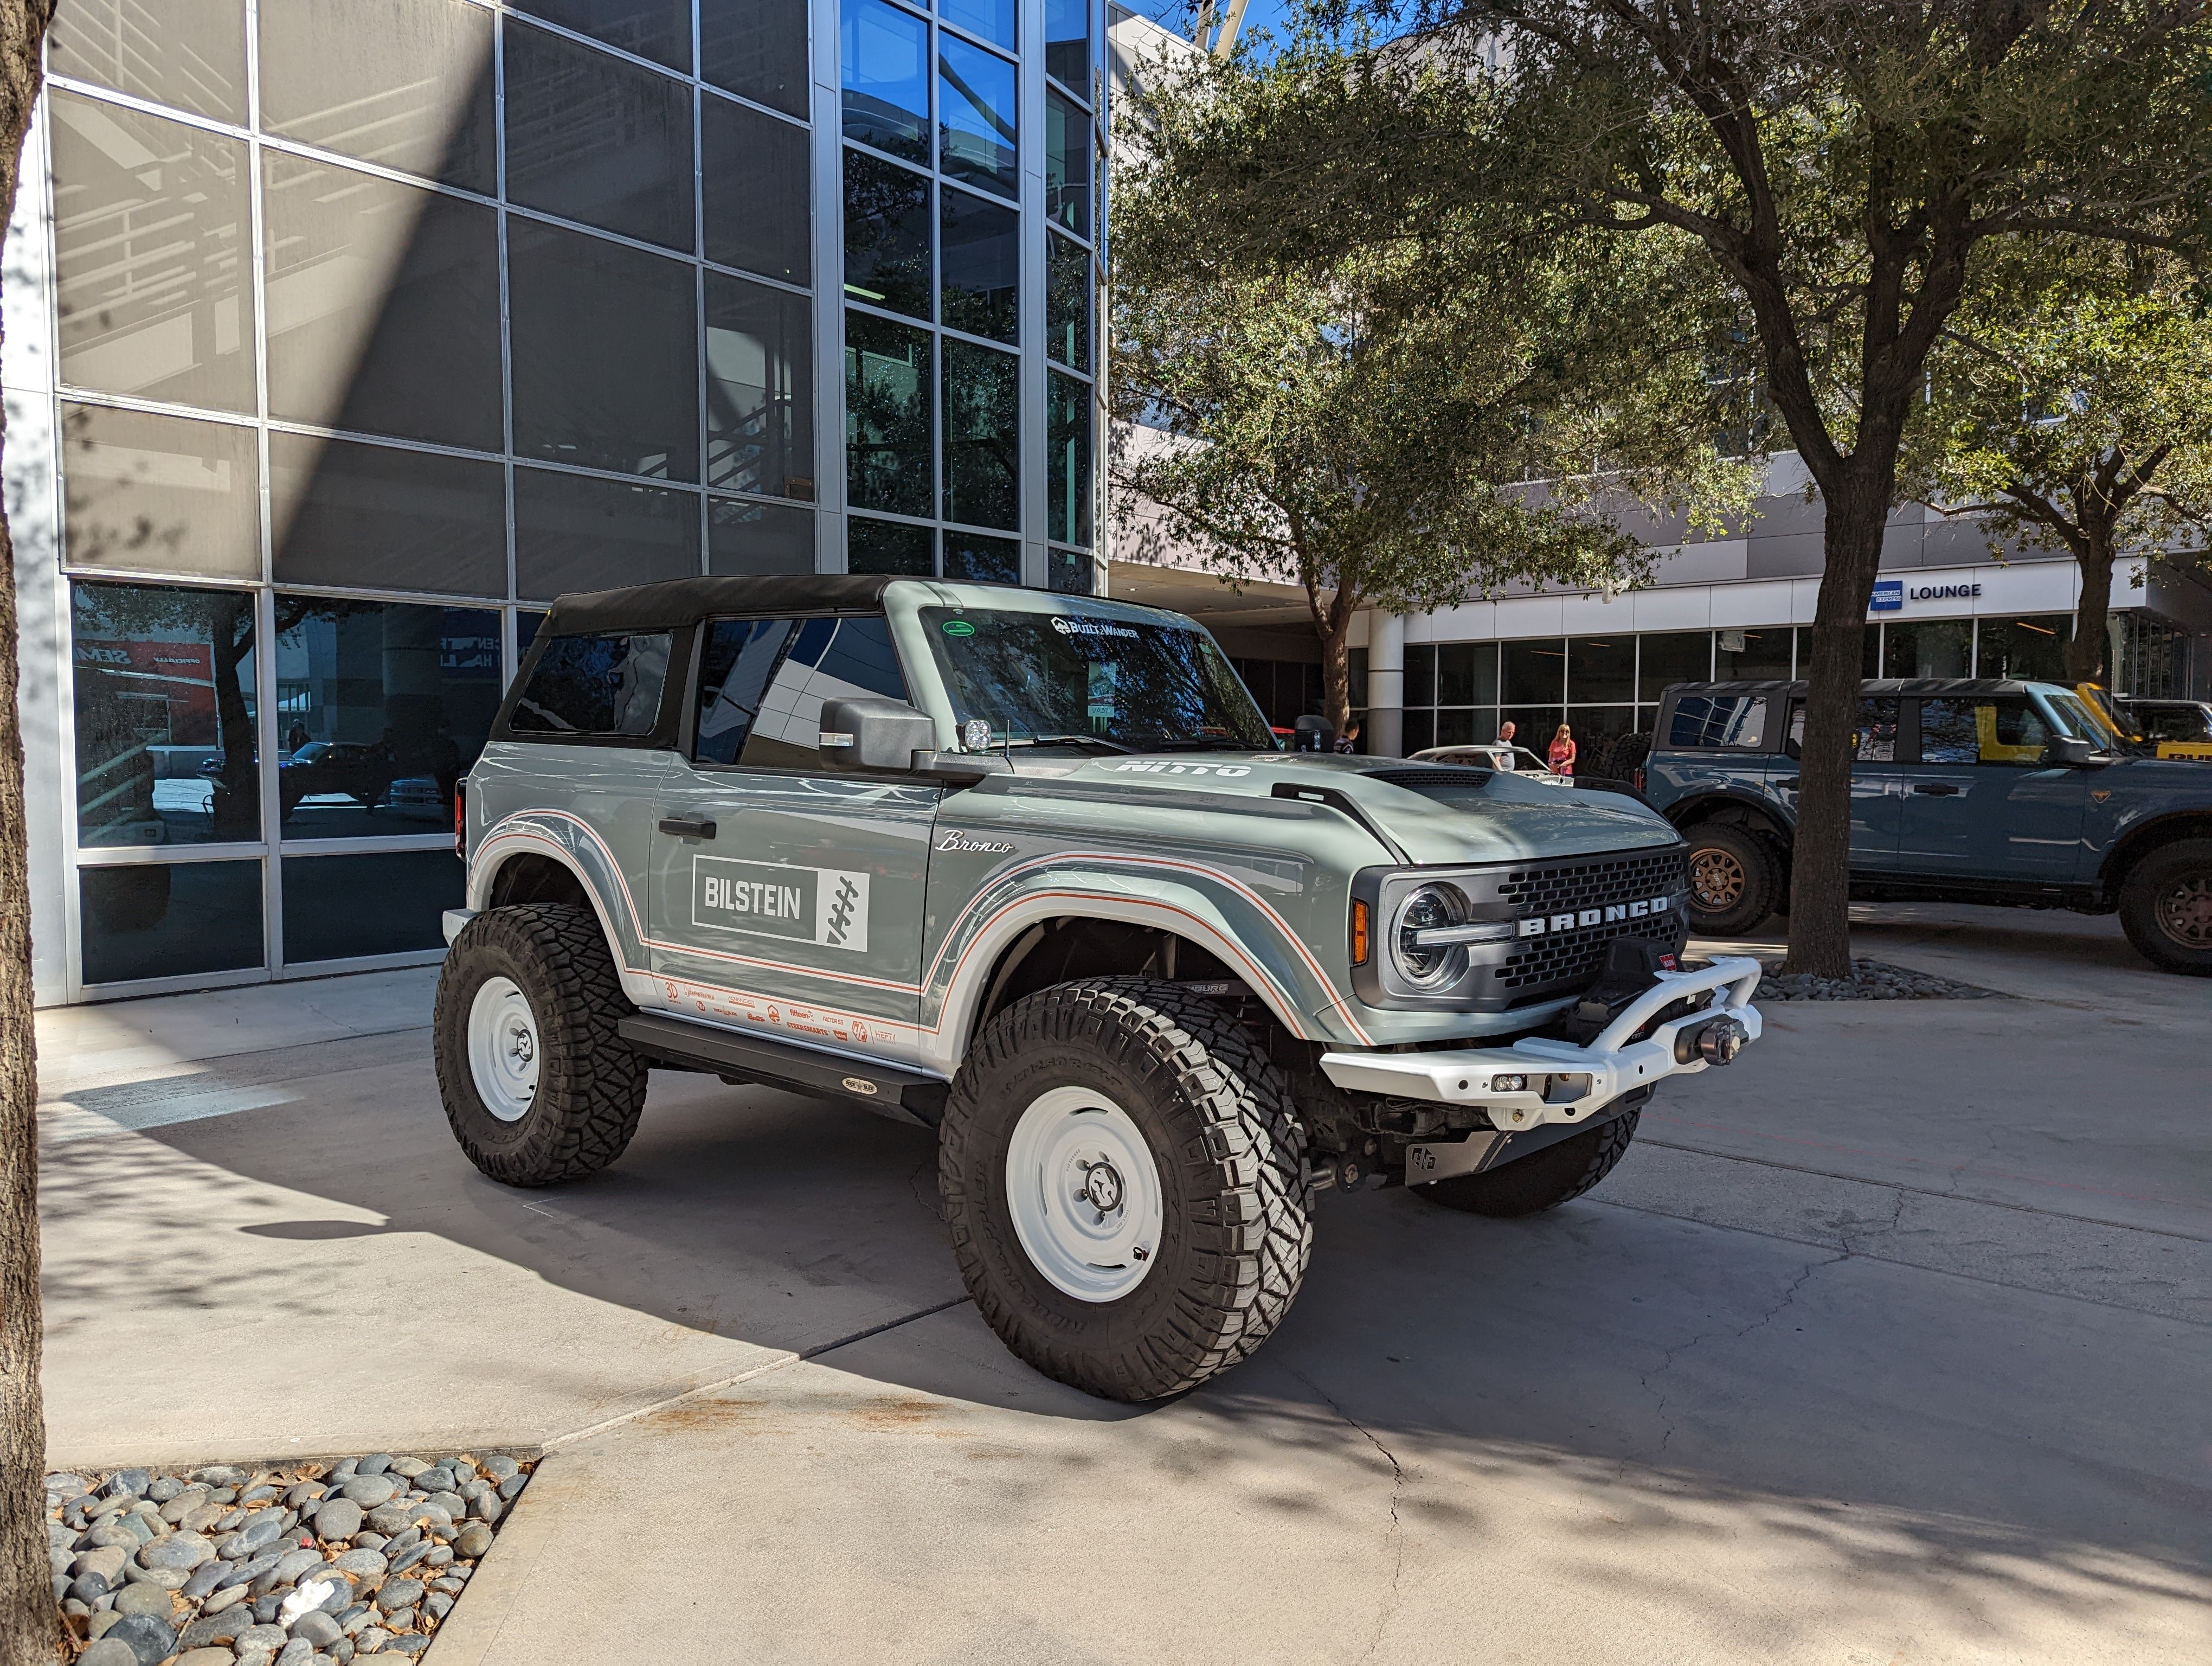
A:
x: 870, y: 732
x: 1313, y: 734
x: 2067, y: 752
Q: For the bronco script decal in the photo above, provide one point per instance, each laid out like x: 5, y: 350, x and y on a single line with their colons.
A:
x: 824, y: 905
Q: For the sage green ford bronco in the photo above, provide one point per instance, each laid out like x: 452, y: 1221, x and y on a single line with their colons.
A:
x: 1031, y: 870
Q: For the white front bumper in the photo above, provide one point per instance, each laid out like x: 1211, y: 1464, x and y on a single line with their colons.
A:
x: 1612, y: 1064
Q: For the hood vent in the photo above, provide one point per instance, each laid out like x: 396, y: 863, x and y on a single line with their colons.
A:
x: 1440, y: 784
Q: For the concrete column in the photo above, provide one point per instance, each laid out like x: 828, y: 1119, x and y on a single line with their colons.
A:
x: 1385, y: 731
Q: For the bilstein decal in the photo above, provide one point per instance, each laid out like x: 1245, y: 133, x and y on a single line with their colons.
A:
x: 824, y: 905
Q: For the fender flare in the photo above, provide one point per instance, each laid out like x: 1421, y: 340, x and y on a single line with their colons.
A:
x: 1687, y: 812
x: 566, y: 842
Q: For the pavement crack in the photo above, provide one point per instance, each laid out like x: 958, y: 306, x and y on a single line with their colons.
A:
x: 928, y: 1202
x: 1670, y: 1355
x: 1397, y: 1524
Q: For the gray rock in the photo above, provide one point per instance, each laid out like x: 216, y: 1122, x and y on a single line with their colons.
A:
x: 200, y: 1517
x: 88, y: 1589
x: 487, y: 1508
x: 259, y: 1533
x: 341, y: 1470
x: 99, y: 1624
x: 366, y: 1565
x: 226, y: 1627
x: 107, y: 1652
x: 105, y: 1560
x: 144, y: 1599
x: 437, y: 1605
x: 183, y: 1551
x: 407, y: 1645
x: 66, y: 1485
x: 294, y: 1563
x: 409, y: 1467
x: 401, y: 1620
x: 225, y: 1598
x: 162, y: 1488
x: 499, y: 1467
x: 191, y: 1498
x: 453, y: 1504
x: 451, y: 1583
x: 207, y: 1658
x: 266, y: 1608
x: 399, y: 1541
x: 128, y: 1483
x: 209, y: 1576
x: 474, y: 1486
x: 512, y: 1485
x: 223, y: 1495
x: 336, y: 1590
x: 168, y: 1579
x: 439, y: 1556
x: 230, y: 1521
x: 371, y: 1490
x: 304, y: 1493
x: 389, y: 1518
x: 255, y: 1495
x: 220, y: 1474
x: 414, y: 1554
x: 436, y: 1479
x: 150, y: 1640
x: 259, y: 1565
x: 338, y: 1518
x: 143, y: 1529
x: 472, y: 1541
x: 341, y: 1652
x: 432, y: 1517
x: 367, y: 1640
x: 353, y: 1619
x: 297, y: 1652
x: 374, y: 1464
x: 111, y: 1532
x: 320, y: 1628
x: 271, y: 1638
x: 398, y: 1594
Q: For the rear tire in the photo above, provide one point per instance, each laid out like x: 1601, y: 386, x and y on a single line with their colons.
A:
x: 2166, y: 908
x: 1120, y: 1096
x: 1531, y: 1185
x: 538, y: 1083
x: 1734, y: 880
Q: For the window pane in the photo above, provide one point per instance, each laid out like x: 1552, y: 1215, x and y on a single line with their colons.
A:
x: 1719, y: 720
x: 1679, y: 656
x: 337, y: 907
x: 165, y: 708
x: 752, y: 539
x: 1420, y: 675
x: 982, y: 436
x: 1066, y: 164
x: 885, y: 546
x: 606, y: 354
x: 757, y: 48
x: 1067, y: 43
x: 1979, y: 732
x: 380, y: 707
x: 1937, y: 648
x: 1873, y: 740
x: 160, y: 494
x: 888, y: 428
x: 760, y: 389
x: 763, y: 682
x: 658, y: 29
x: 171, y: 920
x: 1604, y: 667
x: 1533, y: 671
x: 1532, y: 726
x: 595, y: 685
x: 404, y: 82
x: 1067, y: 302
x: 975, y: 118
x: 1070, y: 573
x: 1067, y: 459
x: 572, y: 532
x: 994, y: 20
x: 187, y: 53
x: 1420, y: 730
x: 1752, y: 655
x: 883, y: 61
x: 2034, y: 649
x: 383, y: 306
x: 758, y: 214
x: 886, y: 234
x: 591, y: 138
x: 149, y: 247
x: 981, y: 271
x: 387, y: 518
x: 1467, y: 674
x: 984, y: 560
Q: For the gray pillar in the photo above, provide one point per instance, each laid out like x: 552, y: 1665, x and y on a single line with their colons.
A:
x: 1385, y: 731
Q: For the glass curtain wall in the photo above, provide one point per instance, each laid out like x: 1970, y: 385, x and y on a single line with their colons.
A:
x: 945, y: 445
x: 380, y: 324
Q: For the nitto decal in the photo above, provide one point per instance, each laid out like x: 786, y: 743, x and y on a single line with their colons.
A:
x: 1161, y: 767
x: 824, y: 905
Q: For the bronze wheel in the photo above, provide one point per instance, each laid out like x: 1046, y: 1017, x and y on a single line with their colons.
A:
x: 2184, y: 911
x: 1733, y: 879
x: 2166, y: 906
x: 1716, y: 880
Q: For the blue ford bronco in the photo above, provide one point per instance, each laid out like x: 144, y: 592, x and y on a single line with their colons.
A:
x: 1962, y: 790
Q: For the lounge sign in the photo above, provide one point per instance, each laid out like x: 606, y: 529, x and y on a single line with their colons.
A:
x: 1890, y: 595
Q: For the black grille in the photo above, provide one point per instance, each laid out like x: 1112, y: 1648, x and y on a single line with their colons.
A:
x: 1463, y: 777
x: 1539, y: 963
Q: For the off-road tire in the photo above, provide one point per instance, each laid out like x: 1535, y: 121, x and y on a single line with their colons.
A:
x: 1530, y: 1185
x: 591, y: 1083
x: 2162, y: 907
x: 1219, y: 1119
x: 1757, y: 875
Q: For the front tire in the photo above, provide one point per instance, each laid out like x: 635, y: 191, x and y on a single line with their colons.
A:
x: 539, y: 1085
x: 1734, y: 880
x: 1122, y: 1171
x: 1556, y: 1175
x: 2166, y: 908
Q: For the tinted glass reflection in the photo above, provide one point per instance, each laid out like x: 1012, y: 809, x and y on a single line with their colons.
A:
x: 1673, y: 656
x: 1067, y: 164
x: 975, y: 118
x: 574, y: 532
x: 416, y: 520
x: 171, y: 920
x: 593, y: 139
x: 984, y: 560
x: 1067, y: 43
x: 385, y: 903
x: 1604, y: 667
x: 883, y: 64
x: 164, y: 687
x: 160, y: 494
x: 187, y: 53
x: 982, y: 436
x: 887, y: 429
x: 994, y: 20
x: 1067, y: 302
x: 1069, y: 573
x: 380, y: 707
x: 753, y: 169
x: 885, y: 546
x: 886, y: 234
x: 1067, y: 459
x: 760, y: 389
x: 752, y: 539
x: 658, y: 29
x: 757, y: 48
x: 980, y: 266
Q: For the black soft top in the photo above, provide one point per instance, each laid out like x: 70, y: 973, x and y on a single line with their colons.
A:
x: 1872, y: 685
x: 675, y: 603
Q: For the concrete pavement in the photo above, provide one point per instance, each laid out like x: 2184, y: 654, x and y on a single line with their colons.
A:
x: 1886, y: 1345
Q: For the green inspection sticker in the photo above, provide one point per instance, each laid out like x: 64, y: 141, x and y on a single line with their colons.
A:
x: 958, y: 627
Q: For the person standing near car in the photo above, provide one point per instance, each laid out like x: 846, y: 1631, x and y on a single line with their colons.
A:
x: 1562, y: 755
x: 1349, y: 740
x: 1506, y: 732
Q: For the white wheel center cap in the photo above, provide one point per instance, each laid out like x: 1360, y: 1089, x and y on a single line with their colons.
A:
x: 1103, y: 1188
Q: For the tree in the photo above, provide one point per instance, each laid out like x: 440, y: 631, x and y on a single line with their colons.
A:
x: 29, y: 1625
x: 1367, y: 427
x: 2068, y: 408
x: 1843, y: 166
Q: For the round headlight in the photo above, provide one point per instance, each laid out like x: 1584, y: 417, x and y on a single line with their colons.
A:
x: 1427, y: 966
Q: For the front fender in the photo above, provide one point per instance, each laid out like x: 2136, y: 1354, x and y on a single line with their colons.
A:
x: 571, y: 842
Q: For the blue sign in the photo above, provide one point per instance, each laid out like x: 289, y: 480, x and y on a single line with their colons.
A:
x: 1888, y: 596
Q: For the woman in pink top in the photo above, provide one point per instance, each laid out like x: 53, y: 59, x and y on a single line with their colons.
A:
x: 1562, y: 757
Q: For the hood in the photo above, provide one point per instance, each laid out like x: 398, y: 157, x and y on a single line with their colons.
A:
x: 1437, y: 813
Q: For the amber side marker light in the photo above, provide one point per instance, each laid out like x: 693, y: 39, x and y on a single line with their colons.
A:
x: 1360, y: 933
x: 461, y: 820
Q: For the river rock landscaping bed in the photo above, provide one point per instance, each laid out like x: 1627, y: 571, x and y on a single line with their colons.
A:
x: 297, y: 1564
x: 1871, y: 979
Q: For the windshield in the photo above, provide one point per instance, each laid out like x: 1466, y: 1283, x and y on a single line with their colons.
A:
x: 2075, y: 717
x: 1037, y: 677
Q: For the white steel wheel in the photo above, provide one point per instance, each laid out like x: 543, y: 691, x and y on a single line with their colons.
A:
x: 503, y: 1049
x: 1084, y: 1193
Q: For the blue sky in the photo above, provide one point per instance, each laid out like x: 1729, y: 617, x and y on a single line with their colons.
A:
x: 1175, y: 13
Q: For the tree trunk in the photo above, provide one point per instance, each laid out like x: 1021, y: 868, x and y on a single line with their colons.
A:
x: 1332, y: 625
x: 1819, y: 867
x: 2087, y: 654
x: 29, y: 1622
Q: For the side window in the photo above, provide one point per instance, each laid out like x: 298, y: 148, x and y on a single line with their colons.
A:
x: 1703, y: 720
x: 762, y: 684
x: 1948, y: 732
x: 1875, y: 738
x: 595, y: 685
x: 1981, y: 732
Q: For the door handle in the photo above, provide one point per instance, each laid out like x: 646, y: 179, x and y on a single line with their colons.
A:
x: 1789, y: 786
x: 1937, y: 789
x: 687, y: 827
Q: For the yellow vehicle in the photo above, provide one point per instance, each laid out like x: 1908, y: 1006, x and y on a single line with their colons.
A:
x: 2163, y: 728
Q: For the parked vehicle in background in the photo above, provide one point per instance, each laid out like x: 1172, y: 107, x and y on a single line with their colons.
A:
x: 1496, y: 754
x: 1962, y: 790
x: 2170, y: 729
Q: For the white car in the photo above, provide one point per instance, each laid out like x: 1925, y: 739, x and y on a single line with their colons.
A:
x: 1496, y: 754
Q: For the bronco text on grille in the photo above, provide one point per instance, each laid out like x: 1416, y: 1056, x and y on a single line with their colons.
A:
x: 1538, y: 965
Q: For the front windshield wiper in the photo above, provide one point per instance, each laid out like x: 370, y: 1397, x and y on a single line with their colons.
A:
x: 1097, y: 740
